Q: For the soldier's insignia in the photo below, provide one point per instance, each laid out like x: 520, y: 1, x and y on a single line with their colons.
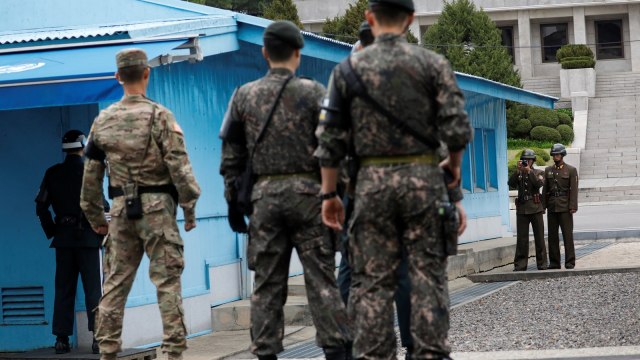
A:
x: 177, y: 128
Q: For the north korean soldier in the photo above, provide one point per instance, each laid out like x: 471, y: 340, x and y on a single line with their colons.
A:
x: 285, y: 211
x: 397, y: 101
x: 77, y: 245
x: 142, y: 146
x: 529, y: 210
x: 560, y: 198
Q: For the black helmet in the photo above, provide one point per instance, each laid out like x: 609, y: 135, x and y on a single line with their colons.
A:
x: 558, y: 149
x: 528, y: 154
x: 73, y: 140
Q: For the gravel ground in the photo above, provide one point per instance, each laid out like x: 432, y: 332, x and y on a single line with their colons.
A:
x: 567, y: 313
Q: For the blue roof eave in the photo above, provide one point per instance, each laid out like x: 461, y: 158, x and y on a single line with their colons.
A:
x: 495, y: 89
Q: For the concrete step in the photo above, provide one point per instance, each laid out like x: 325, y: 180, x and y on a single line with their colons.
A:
x: 237, y: 315
x: 611, y: 193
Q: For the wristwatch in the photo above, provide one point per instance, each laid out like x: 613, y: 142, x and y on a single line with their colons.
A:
x: 329, y: 195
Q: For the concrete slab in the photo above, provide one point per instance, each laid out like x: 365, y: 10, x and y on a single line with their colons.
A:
x: 128, y: 354
x: 548, y: 274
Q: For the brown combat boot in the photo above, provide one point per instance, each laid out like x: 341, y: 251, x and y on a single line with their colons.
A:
x: 174, y: 356
x: 104, y: 356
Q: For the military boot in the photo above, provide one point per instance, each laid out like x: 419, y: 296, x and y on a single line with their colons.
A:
x: 104, y: 356
x: 94, y: 347
x: 335, y: 353
x: 174, y: 356
x: 62, y: 345
x: 267, y: 357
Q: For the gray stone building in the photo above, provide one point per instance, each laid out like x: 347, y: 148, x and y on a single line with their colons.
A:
x: 533, y: 30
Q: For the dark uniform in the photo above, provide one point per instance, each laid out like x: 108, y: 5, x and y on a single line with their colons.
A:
x: 560, y: 196
x: 77, y: 246
x: 529, y: 211
x: 286, y: 206
x: 398, y: 186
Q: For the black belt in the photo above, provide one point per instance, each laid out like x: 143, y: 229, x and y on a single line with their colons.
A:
x: 559, y: 193
x: 526, y: 198
x: 170, y: 189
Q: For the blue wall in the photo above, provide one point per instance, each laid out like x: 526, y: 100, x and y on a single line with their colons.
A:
x: 30, y: 142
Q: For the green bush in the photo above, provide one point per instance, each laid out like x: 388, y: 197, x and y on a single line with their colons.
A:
x: 545, y: 133
x: 543, y: 117
x: 523, y: 128
x: 512, y: 166
x: 517, y: 144
x: 566, y: 132
x: 573, y: 51
x: 565, y: 119
x: 541, y: 156
x: 578, y: 64
x: 566, y: 111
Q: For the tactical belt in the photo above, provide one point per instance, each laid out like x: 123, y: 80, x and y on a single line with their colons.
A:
x: 429, y: 159
x: 114, y: 192
x: 526, y: 198
x: 306, y: 175
x: 559, y: 193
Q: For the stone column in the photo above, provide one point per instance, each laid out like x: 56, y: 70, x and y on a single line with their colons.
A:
x: 524, y: 35
x: 579, y: 26
x: 634, y: 36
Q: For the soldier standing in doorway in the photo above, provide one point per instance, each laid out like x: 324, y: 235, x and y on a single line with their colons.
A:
x: 150, y: 174
x: 285, y: 202
x: 529, y: 210
x: 560, y: 197
x: 374, y: 97
x: 77, y: 245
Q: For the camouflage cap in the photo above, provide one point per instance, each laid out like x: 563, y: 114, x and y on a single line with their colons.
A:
x: 131, y: 57
x: 364, y: 27
x: 285, y: 31
x: 403, y: 4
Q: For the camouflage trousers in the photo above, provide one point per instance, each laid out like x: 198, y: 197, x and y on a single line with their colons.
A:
x: 395, y: 207
x: 156, y: 234
x: 287, y: 216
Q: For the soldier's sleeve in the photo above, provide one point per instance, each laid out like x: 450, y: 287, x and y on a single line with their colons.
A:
x: 43, y: 201
x: 545, y: 189
x: 91, y: 196
x: 536, y: 180
x: 452, y: 121
x: 234, y: 150
x: 573, y: 195
x: 175, y: 157
x: 333, y: 126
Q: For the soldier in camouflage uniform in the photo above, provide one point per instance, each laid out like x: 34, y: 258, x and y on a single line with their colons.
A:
x: 529, y: 210
x: 399, y: 182
x: 286, y: 207
x: 142, y: 145
x: 560, y: 199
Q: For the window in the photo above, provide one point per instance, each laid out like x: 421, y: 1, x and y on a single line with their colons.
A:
x: 466, y: 172
x: 490, y: 151
x: 479, y: 163
x: 553, y: 36
x: 609, y: 39
x: 507, y: 40
x: 479, y: 166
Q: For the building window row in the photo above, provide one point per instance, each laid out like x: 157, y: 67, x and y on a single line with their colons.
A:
x: 479, y: 164
x: 609, y: 39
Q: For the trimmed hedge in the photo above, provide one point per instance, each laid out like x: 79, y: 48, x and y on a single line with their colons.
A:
x: 578, y: 64
x: 566, y: 132
x: 566, y: 111
x: 512, y: 166
x: 543, y: 117
x: 573, y: 51
x: 565, y: 119
x: 541, y: 156
x: 545, y: 133
x: 523, y: 128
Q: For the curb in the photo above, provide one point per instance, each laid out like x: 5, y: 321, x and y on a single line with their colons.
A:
x: 549, y: 274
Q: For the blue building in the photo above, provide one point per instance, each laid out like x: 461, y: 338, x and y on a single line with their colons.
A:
x: 56, y: 73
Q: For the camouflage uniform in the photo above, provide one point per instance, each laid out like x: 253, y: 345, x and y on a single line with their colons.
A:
x: 529, y: 211
x: 395, y: 203
x: 121, y: 132
x: 560, y: 195
x: 286, y: 207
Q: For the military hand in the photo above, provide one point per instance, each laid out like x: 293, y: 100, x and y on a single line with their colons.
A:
x: 573, y: 211
x: 333, y: 213
x: 463, y: 218
x: 188, y: 226
x: 102, y: 229
x: 454, y: 171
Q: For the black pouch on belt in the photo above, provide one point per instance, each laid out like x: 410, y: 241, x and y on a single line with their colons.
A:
x: 133, y: 203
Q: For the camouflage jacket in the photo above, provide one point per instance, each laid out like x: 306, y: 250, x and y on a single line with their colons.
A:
x: 414, y: 83
x: 288, y: 142
x: 122, y: 132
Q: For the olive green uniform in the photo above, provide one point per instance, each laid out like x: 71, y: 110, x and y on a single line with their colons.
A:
x: 529, y: 211
x: 560, y: 195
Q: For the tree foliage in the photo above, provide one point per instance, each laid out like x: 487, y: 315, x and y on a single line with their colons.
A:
x: 345, y: 28
x: 251, y: 7
x: 470, y: 40
x: 282, y: 10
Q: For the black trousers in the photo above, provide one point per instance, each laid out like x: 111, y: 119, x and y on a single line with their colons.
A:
x: 402, y: 296
x: 522, y: 245
x: 564, y: 221
x: 71, y: 262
